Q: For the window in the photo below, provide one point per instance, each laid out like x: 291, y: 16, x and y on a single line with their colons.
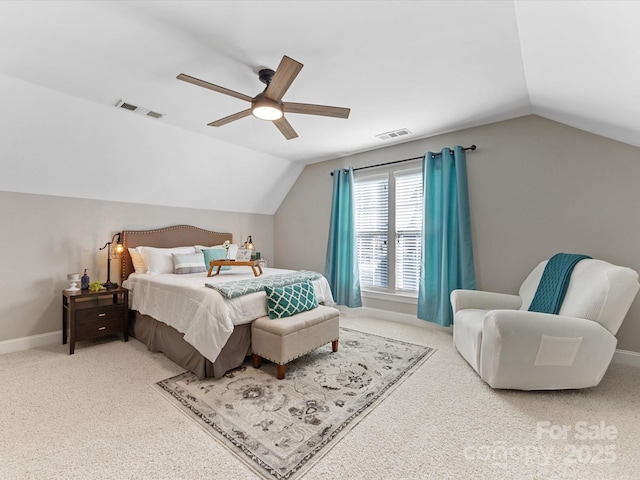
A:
x: 389, y: 231
x: 409, y: 206
x: 372, y: 230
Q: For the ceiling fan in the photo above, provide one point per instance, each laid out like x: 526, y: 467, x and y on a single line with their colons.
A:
x: 268, y: 105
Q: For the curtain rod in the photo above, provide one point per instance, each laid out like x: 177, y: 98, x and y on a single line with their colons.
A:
x: 472, y: 147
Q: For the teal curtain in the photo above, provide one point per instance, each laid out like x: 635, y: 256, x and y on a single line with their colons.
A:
x: 447, y: 252
x: 341, y: 269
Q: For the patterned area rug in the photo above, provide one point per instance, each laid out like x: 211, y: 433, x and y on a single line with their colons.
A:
x: 281, y: 427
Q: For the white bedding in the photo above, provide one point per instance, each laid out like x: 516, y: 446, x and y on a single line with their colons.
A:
x: 202, y: 314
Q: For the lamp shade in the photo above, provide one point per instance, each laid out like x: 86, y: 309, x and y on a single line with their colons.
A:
x: 265, y: 108
x: 116, y: 250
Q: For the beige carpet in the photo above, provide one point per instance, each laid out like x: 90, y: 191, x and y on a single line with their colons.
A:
x: 95, y: 415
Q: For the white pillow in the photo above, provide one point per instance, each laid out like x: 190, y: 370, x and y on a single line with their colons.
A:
x: 137, y: 260
x: 159, y: 260
x: 233, y: 249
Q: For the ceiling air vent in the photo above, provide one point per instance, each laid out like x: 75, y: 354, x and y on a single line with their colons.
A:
x: 128, y: 106
x: 394, y: 134
x: 138, y: 110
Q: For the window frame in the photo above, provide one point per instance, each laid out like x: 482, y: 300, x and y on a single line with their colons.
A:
x: 391, y: 292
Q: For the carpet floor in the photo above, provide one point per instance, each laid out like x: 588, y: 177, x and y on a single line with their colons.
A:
x: 97, y: 415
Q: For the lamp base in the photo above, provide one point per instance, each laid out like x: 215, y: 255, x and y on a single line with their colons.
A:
x: 109, y: 285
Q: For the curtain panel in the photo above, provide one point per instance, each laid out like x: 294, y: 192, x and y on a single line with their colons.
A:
x: 341, y: 268
x: 447, y: 252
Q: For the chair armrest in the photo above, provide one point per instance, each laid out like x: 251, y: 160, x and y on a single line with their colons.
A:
x: 531, y: 350
x: 463, y: 299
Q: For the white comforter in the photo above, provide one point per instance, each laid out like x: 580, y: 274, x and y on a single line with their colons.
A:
x: 202, y: 314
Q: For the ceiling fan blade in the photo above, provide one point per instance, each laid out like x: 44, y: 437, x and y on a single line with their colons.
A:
x: 211, y: 86
x: 285, y: 128
x: 285, y: 75
x: 230, y: 118
x: 311, y: 109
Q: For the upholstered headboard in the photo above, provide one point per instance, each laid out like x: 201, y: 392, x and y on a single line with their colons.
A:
x: 176, y: 236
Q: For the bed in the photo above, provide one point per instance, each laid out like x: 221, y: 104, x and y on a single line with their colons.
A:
x: 193, y: 325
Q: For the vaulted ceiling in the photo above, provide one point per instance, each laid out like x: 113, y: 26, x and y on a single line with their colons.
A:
x: 426, y: 66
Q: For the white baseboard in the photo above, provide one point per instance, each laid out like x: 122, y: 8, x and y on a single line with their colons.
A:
x: 33, y: 341
x: 388, y: 315
x: 625, y: 357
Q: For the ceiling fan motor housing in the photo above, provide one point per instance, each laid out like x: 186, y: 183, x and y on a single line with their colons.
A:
x: 266, y: 75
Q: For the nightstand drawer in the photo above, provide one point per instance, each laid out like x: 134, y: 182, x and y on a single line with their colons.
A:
x: 95, y: 329
x: 95, y: 314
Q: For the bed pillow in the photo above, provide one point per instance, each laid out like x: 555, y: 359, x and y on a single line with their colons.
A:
x: 214, y: 253
x: 137, y: 260
x: 159, y: 260
x: 188, y: 263
x: 233, y: 249
x: 290, y: 299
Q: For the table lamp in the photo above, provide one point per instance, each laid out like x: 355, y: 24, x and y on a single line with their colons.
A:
x: 249, y: 244
x: 112, y: 253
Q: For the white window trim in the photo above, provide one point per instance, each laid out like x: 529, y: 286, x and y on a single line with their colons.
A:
x: 399, y: 297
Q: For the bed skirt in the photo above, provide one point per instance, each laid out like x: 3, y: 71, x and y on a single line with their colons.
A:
x: 160, y: 337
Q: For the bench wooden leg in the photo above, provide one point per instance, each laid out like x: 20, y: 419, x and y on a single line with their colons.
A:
x: 334, y: 345
x: 280, y: 371
x: 257, y: 361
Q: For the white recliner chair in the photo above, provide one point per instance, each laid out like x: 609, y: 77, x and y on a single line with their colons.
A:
x: 512, y: 348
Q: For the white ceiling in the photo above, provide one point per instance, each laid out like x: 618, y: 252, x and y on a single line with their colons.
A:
x: 428, y: 66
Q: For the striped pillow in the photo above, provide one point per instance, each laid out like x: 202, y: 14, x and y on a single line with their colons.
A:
x: 188, y: 263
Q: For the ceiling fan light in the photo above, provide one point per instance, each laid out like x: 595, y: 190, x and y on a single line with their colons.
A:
x: 266, y: 109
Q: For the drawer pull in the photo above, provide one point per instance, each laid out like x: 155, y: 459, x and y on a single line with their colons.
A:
x: 101, y: 314
x: 102, y: 328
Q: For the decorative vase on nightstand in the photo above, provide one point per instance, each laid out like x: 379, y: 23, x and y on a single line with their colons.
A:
x: 84, y: 281
x: 73, y: 278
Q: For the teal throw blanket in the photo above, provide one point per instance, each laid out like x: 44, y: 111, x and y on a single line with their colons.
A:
x: 554, y: 283
x: 244, y: 287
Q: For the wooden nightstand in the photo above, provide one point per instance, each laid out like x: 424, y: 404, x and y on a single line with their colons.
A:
x: 89, y: 314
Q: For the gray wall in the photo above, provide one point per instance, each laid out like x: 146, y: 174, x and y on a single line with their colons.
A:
x: 536, y: 188
x: 46, y: 237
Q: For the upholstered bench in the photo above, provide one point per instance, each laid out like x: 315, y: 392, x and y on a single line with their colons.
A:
x: 281, y: 340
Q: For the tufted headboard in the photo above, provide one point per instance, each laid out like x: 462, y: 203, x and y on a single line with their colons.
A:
x: 176, y: 236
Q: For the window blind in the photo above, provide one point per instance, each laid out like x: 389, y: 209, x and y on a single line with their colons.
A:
x: 409, y: 207
x: 372, y: 228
